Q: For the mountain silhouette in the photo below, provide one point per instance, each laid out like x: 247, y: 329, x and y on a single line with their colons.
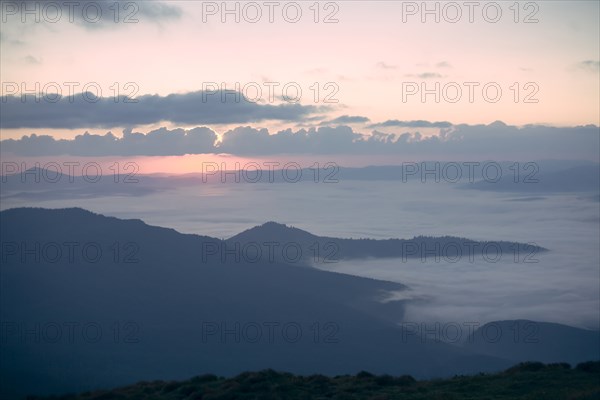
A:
x: 89, y: 301
x: 584, y: 178
x: 524, y: 340
x: 273, y: 231
x: 316, y: 249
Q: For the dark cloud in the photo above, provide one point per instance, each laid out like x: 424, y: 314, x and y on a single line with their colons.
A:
x: 443, y: 64
x: 29, y: 59
x: 158, y: 142
x: 193, y: 108
x: 347, y: 119
x: 426, y: 75
x: 383, y: 65
x: 157, y: 10
x: 457, y: 142
x: 589, y: 65
x: 323, y: 140
x: 4, y: 38
x: 412, y: 124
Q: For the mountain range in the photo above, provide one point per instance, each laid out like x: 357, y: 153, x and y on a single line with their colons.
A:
x: 89, y: 301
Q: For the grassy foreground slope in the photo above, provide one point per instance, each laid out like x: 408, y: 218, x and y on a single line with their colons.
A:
x: 531, y: 380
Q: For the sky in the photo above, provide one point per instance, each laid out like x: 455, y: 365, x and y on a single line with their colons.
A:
x: 95, y: 96
x: 382, y: 66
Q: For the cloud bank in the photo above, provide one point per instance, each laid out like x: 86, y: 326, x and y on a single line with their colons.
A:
x: 86, y: 110
x: 496, y: 140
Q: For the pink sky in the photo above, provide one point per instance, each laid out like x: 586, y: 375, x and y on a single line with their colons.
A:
x: 369, y: 54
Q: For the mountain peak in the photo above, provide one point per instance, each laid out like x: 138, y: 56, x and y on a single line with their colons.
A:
x: 498, y: 124
x: 272, y: 230
x: 273, y: 224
